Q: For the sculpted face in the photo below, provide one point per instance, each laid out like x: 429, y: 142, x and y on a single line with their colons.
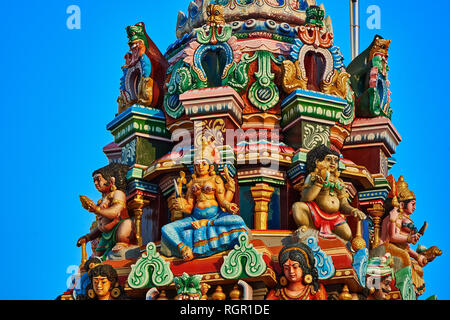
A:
x: 101, y: 184
x: 385, y: 288
x: 410, y: 207
x: 292, y: 271
x: 331, y: 162
x: 202, y: 167
x: 101, y: 287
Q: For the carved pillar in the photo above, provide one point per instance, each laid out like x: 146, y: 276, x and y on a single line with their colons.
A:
x: 376, y: 212
x: 137, y: 205
x: 262, y: 193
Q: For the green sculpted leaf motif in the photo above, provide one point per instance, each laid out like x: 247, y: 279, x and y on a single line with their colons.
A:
x: 243, y: 261
x: 151, y: 270
x: 403, y: 280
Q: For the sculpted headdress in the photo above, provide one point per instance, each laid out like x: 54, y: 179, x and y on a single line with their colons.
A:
x: 207, y: 151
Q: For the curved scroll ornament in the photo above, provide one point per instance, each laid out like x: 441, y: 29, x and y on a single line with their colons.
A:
x: 263, y: 93
x: 360, y: 261
x: 324, y: 263
x: 404, y: 282
x: 243, y: 261
x: 315, y: 135
x: 151, y: 270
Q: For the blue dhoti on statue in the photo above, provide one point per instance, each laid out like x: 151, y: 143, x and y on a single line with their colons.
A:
x: 220, y: 234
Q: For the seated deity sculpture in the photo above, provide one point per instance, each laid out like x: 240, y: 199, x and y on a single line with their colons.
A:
x: 300, y: 278
x: 398, y: 232
x: 211, y: 223
x: 324, y: 198
x: 114, y: 228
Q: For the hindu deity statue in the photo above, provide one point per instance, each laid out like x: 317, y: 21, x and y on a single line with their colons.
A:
x: 211, y: 223
x: 144, y: 70
x: 379, y: 277
x: 104, y: 282
x: 114, y: 229
x: 323, y: 197
x: 398, y: 231
x: 299, y: 279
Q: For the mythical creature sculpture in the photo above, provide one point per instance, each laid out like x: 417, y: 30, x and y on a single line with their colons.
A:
x: 115, y: 229
x: 323, y: 197
x: 144, y: 71
x: 369, y: 79
x: 380, y: 275
x: 190, y: 287
x: 212, y: 224
x: 300, y: 279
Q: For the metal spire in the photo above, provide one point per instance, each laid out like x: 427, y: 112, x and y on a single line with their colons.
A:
x: 354, y: 27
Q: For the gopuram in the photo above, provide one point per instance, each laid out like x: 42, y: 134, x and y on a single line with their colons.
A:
x: 249, y: 162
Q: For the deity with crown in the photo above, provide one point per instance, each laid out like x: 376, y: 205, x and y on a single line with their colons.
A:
x: 211, y: 223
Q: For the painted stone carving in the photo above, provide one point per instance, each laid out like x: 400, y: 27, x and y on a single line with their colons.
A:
x: 190, y: 287
x: 151, y: 270
x: 104, y: 283
x: 243, y: 261
x: 369, y: 79
x: 398, y: 232
x: 299, y: 279
x: 143, y: 73
x: 323, y: 262
x: 380, y: 276
x: 115, y: 229
x: 323, y: 197
x: 212, y: 224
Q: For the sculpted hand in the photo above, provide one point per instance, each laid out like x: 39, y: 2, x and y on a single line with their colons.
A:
x: 233, y: 208
x: 413, y: 239
x: 178, y: 204
x: 200, y: 223
x: 422, y: 260
x: 82, y: 241
x: 231, y: 184
x: 359, y: 214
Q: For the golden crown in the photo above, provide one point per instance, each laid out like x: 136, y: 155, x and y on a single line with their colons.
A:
x: 403, y: 192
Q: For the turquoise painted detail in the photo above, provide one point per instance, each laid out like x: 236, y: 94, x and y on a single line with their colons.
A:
x: 324, y: 263
x: 243, y: 261
x: 360, y: 261
x: 151, y: 270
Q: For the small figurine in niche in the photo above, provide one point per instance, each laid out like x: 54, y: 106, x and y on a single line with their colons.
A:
x: 212, y: 224
x: 300, y: 279
x: 380, y: 276
x: 104, y: 283
x: 114, y: 228
x: 323, y: 197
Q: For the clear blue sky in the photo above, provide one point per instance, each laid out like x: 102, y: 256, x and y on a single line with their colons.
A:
x: 59, y: 89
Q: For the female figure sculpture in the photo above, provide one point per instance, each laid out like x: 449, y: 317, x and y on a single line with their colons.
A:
x: 323, y: 197
x: 104, y: 282
x: 299, y: 280
x: 212, y: 224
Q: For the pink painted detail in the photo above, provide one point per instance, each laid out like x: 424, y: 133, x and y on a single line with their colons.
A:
x: 270, y: 45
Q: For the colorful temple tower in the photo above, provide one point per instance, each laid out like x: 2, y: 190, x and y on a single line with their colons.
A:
x: 249, y: 149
